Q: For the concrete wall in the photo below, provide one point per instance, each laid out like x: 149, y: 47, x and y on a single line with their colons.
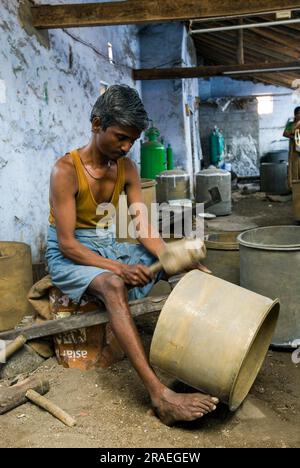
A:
x: 240, y: 129
x: 47, y: 88
x: 232, y: 106
x: 271, y: 126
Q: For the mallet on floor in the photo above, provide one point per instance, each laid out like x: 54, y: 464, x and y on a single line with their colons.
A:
x: 32, y: 389
x: 10, y: 348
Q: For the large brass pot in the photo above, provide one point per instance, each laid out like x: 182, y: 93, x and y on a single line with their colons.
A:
x: 214, y: 335
x: 15, y: 282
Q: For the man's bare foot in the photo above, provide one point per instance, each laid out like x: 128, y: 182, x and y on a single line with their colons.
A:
x: 171, y: 407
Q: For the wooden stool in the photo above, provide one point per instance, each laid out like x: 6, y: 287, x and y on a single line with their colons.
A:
x: 84, y: 348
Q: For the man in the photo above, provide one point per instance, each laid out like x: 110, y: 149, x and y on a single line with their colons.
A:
x: 294, y: 156
x: 83, y: 257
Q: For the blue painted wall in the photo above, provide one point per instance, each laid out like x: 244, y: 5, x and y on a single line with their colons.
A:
x: 168, y: 45
x: 47, y: 89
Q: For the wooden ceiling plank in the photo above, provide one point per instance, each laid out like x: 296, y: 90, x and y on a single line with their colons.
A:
x: 279, y: 42
x: 278, y: 79
x: 260, y: 47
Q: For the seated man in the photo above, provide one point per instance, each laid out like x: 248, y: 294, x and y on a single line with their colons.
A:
x: 83, y: 257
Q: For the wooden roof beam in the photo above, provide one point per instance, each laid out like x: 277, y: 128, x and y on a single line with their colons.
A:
x: 147, y: 11
x: 218, y: 70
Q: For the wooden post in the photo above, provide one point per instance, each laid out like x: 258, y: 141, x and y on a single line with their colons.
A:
x: 240, y: 49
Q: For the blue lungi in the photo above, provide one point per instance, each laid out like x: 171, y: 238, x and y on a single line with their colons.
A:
x: 74, y: 279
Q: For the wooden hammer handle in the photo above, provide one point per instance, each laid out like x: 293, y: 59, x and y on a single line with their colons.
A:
x: 16, y: 344
x: 155, y: 267
x: 46, y: 404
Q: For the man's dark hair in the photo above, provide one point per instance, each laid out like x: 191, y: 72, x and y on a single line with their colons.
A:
x: 120, y: 105
x: 296, y: 110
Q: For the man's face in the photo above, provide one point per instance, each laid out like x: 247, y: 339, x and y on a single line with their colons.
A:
x: 297, y: 117
x: 116, y: 141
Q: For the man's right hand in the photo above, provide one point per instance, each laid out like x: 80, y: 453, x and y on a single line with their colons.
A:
x: 135, y: 275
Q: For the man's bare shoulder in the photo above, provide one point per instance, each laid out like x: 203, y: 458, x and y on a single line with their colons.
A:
x: 63, y: 175
x: 64, y: 168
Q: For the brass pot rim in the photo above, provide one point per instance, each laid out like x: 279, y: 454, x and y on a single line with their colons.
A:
x: 276, y: 307
x: 256, y: 245
x: 213, y: 240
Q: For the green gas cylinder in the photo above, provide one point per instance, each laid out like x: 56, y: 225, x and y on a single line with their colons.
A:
x: 216, y: 146
x: 170, y: 161
x: 153, y: 155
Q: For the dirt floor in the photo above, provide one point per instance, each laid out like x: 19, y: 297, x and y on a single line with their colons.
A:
x: 112, y: 408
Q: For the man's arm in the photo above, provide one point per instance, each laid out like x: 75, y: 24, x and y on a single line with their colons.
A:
x: 290, y: 128
x: 63, y: 188
x: 153, y: 243
x: 149, y: 236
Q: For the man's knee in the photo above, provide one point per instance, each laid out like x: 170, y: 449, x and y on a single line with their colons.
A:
x: 107, y: 283
x: 107, y: 287
x: 114, y: 283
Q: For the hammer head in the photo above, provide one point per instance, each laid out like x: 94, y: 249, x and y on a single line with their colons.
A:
x: 11, y: 397
x: 182, y: 254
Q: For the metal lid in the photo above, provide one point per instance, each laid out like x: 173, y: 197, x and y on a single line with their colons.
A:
x: 172, y: 173
x: 145, y: 183
x: 213, y: 171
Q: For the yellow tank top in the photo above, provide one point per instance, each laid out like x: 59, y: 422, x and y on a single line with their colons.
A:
x: 86, y: 205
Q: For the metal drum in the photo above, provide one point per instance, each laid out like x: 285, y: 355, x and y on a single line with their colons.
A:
x: 213, y: 177
x: 276, y: 156
x: 296, y: 199
x: 223, y: 256
x: 274, y: 178
x: 214, y: 336
x: 270, y: 265
x: 172, y: 185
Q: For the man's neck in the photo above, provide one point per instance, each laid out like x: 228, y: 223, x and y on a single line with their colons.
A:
x: 91, y: 155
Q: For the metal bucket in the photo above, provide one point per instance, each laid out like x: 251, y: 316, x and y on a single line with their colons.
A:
x: 15, y: 282
x: 274, y: 178
x: 223, y: 256
x: 172, y: 185
x: 296, y: 199
x: 270, y: 265
x: 214, y: 335
x: 214, y: 177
